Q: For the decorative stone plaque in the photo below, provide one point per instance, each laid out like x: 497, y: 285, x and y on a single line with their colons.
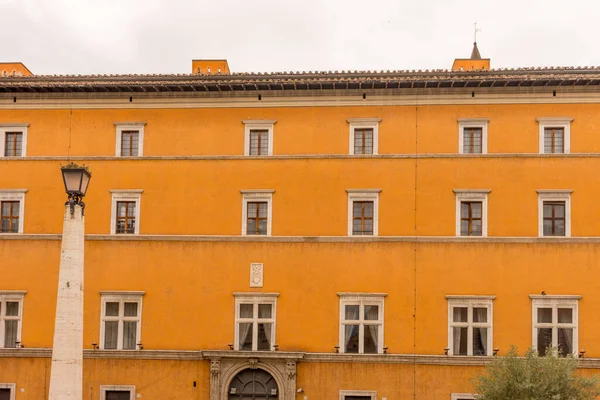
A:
x: 256, y: 275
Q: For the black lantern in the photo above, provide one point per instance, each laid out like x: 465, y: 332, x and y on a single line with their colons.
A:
x: 76, y: 179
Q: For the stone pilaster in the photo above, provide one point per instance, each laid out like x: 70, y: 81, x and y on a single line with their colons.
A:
x: 67, y: 351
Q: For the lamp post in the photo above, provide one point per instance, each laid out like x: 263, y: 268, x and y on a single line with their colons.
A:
x: 66, y: 375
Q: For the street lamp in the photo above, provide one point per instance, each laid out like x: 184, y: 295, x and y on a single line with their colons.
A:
x: 76, y: 179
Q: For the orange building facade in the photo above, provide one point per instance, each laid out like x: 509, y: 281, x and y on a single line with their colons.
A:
x: 340, y: 235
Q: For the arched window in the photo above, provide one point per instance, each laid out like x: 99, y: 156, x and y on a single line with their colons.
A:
x: 253, y: 384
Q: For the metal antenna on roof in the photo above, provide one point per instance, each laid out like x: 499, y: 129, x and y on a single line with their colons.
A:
x: 475, y: 33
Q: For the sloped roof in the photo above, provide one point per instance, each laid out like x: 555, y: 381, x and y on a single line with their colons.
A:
x: 323, y: 80
x: 475, y: 53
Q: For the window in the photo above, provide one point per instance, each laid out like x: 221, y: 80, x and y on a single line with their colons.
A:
x: 257, y: 212
x: 470, y: 325
x: 125, y: 211
x: 363, y: 212
x: 471, y: 212
x: 361, y: 323
x: 12, y: 205
x: 11, y: 315
x: 364, y: 135
x: 472, y: 135
x: 555, y: 323
x: 358, y: 395
x: 130, y: 139
x: 554, y: 214
x: 13, y: 140
x: 462, y: 396
x: 117, y: 392
x: 8, y: 391
x: 554, y: 135
x: 255, y: 318
x: 121, y: 320
x: 258, y: 136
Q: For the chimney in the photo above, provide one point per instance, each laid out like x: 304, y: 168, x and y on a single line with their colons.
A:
x: 210, y: 67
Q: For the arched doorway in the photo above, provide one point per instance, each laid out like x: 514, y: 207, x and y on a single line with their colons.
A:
x: 253, y: 384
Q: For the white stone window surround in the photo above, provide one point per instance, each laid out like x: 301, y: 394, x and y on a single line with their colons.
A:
x: 120, y: 297
x: 367, y: 393
x: 473, y: 195
x: 15, y: 195
x: 363, y: 195
x: 473, y: 123
x: 470, y: 302
x: 130, y: 126
x: 554, y: 195
x: 124, y: 388
x: 258, y: 124
x: 555, y: 122
x: 555, y: 302
x: 125, y: 195
x: 251, y: 195
x: 255, y: 298
x: 361, y: 299
x: 462, y: 396
x: 368, y: 123
x: 11, y: 296
x: 17, y: 127
x: 10, y: 386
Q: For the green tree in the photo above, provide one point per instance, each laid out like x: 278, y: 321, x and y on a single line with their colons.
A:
x: 534, y: 377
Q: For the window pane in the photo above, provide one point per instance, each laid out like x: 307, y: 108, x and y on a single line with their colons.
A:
x: 565, y: 341
x: 264, y: 337
x: 547, y: 227
x: 121, y: 208
x: 368, y: 209
x: 262, y: 210
x: 111, y: 332
x: 464, y: 209
x: 544, y: 340
x: 371, y: 313
x: 559, y: 210
x: 112, y: 309
x: 460, y: 314
x: 246, y: 310
x: 129, y: 335
x: 351, y: 339
x: 479, y: 314
x: 464, y: 228
x: 12, y: 308
x: 460, y: 341
x: 480, y: 341
x: 544, y: 315
x: 559, y: 227
x: 252, y: 210
x: 352, y: 312
x: 476, y: 227
x: 476, y: 209
x: 118, y: 395
x: 131, y: 309
x: 368, y: 227
x: 371, y: 337
x: 565, y: 315
x: 262, y: 227
x: 251, y: 227
x: 264, y: 311
x: 245, y: 340
x: 10, y: 333
x: 357, y: 209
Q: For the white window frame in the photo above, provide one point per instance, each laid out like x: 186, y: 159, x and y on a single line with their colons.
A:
x: 362, y: 299
x: 555, y: 302
x: 121, y: 297
x: 371, y: 393
x: 364, y: 123
x: 263, y: 195
x: 107, y: 388
x: 11, y: 296
x: 555, y: 122
x: 470, y: 302
x: 473, y: 123
x: 125, y: 195
x: 258, y: 124
x: 554, y: 195
x: 130, y: 126
x: 461, y: 396
x: 12, y: 387
x: 473, y: 195
x: 4, y: 128
x: 15, y: 195
x: 255, y: 298
x: 363, y: 195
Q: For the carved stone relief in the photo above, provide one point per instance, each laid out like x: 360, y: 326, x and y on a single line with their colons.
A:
x: 256, y: 275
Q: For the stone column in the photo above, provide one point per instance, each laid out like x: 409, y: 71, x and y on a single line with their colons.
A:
x: 67, y: 352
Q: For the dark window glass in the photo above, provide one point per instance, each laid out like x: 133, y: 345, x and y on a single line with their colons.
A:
x: 471, y: 218
x: 256, y: 218
x: 363, y: 141
x: 9, y: 216
x: 554, y: 218
x: 554, y: 140
x: 362, y: 217
x: 125, y: 217
x: 118, y: 395
x: 259, y: 143
x: 13, y: 144
x: 130, y: 142
x: 472, y: 140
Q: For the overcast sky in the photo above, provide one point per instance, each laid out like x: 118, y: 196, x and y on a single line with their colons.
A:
x: 163, y: 36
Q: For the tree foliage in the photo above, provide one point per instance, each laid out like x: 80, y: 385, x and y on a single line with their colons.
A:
x: 534, y: 377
